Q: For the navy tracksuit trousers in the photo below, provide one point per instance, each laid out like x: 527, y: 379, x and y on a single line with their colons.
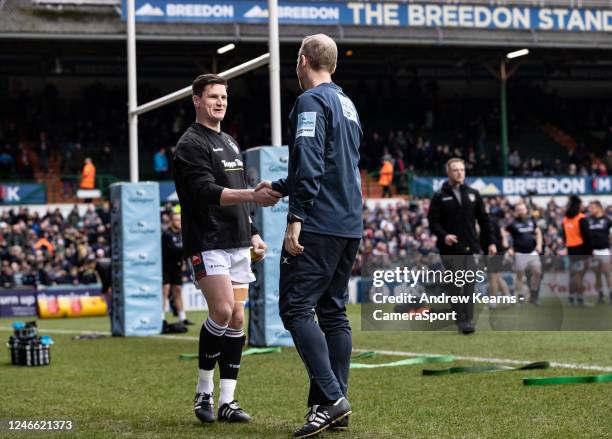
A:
x: 316, y: 282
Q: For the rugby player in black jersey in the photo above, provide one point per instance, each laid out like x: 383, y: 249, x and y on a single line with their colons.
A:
x: 217, y: 233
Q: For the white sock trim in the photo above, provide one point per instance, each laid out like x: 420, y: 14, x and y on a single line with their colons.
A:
x: 214, y: 328
x: 231, y: 332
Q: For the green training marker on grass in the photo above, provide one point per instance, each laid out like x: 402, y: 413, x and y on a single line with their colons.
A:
x: 406, y: 362
x: 363, y: 355
x: 257, y: 351
x: 603, y: 378
x: 490, y: 368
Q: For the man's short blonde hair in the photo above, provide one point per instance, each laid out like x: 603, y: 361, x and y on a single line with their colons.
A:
x: 454, y: 160
x: 320, y: 51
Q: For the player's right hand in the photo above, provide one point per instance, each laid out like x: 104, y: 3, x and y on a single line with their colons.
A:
x: 451, y: 239
x: 266, y: 197
x: 263, y: 184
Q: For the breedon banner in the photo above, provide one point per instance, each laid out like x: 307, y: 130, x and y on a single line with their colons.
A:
x: 378, y: 14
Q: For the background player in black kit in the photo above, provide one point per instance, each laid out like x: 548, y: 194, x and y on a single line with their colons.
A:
x: 599, y: 237
x: 172, y: 262
x: 217, y: 233
x: 526, y: 247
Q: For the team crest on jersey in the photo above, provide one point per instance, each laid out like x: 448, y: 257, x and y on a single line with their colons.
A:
x: 233, y: 145
x: 472, y: 197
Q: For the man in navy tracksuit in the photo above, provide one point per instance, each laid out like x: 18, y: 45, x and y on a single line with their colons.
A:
x: 324, y: 228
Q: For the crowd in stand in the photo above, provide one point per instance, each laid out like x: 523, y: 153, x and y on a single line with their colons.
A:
x: 53, y: 249
x: 419, y: 155
x: 400, y: 232
x: 43, y: 125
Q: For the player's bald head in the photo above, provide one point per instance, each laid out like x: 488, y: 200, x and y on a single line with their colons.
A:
x: 320, y: 51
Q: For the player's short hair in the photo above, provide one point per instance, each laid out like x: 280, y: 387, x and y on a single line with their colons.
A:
x: 200, y: 83
x: 320, y: 51
x: 454, y: 160
x: 597, y: 203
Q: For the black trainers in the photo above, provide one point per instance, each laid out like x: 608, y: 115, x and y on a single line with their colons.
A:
x: 203, y: 407
x: 321, y: 417
x: 231, y: 412
x: 340, y: 424
x: 465, y: 327
x: 187, y: 322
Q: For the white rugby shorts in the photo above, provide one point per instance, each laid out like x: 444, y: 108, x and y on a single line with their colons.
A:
x: 235, y: 262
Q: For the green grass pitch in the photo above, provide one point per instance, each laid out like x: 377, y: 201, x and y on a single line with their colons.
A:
x: 137, y: 387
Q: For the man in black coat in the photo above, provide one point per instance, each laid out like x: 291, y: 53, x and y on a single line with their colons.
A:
x: 453, y: 214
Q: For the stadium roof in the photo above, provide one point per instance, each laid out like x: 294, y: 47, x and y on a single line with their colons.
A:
x: 101, y: 19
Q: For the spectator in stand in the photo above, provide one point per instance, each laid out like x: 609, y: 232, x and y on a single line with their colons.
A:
x: 160, y: 164
x: 386, y: 175
x: 7, y: 162
x: 43, y: 151
x: 88, y: 175
x: 514, y: 162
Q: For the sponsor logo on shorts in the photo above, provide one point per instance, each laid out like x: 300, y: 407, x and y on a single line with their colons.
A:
x: 285, y: 260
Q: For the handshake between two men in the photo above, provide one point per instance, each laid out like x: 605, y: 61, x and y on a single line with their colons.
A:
x: 265, y: 196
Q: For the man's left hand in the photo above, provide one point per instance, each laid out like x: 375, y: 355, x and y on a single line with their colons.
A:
x: 492, y: 250
x: 259, y: 248
x: 292, y: 234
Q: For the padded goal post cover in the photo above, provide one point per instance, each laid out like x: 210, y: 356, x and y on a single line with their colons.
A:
x: 136, y: 257
x: 265, y: 325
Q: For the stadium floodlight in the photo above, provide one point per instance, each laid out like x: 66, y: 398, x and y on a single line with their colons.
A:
x: 226, y: 48
x: 517, y: 53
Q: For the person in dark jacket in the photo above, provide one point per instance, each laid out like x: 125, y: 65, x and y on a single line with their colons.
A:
x: 324, y: 228
x: 454, y: 211
x: 217, y: 233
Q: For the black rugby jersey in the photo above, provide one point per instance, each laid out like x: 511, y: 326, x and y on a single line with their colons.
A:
x: 172, y: 247
x: 523, y: 234
x: 206, y: 162
x: 599, y: 232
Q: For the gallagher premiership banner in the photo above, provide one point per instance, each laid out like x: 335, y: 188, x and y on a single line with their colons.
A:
x: 377, y: 14
x: 492, y: 186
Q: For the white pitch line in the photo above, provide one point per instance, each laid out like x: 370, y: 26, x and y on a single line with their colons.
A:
x: 491, y: 360
x: 574, y: 366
